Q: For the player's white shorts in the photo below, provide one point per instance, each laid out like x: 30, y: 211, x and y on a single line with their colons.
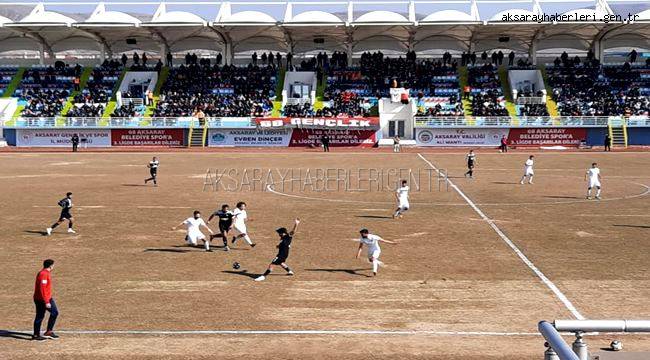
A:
x: 529, y: 172
x: 403, y: 205
x: 374, y: 254
x: 240, y: 228
x: 594, y: 183
x: 193, y: 239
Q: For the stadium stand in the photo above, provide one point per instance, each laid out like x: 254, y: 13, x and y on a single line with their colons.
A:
x: 485, y: 91
x: 7, y: 73
x: 218, y: 90
x: 588, y: 88
x: 45, y: 90
x: 91, y: 101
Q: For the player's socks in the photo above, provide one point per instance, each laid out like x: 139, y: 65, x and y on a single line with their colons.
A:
x: 267, y: 272
x: 54, y: 226
x: 248, y: 240
x: 207, y: 245
x: 375, y: 265
x: 48, y: 231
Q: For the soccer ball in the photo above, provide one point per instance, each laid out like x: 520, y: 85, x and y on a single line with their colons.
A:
x: 236, y: 265
x: 616, y: 345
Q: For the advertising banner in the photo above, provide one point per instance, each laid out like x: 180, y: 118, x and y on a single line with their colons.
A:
x: 249, y: 137
x: 460, y: 137
x: 147, y: 137
x: 547, y: 136
x: 61, y: 137
x: 312, y: 137
x: 356, y: 122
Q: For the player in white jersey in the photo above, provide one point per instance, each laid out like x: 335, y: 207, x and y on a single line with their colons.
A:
x: 593, y: 176
x: 528, y: 170
x: 240, y: 217
x: 194, y: 233
x: 153, y: 171
x: 402, y: 196
x: 372, y: 242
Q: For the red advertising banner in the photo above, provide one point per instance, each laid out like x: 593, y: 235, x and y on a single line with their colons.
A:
x: 547, y: 136
x: 312, y: 137
x: 147, y: 137
x: 357, y: 122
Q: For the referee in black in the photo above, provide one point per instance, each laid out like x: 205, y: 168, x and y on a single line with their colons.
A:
x: 283, y: 251
x: 325, y: 140
x: 225, y: 224
x: 153, y: 171
x: 66, y: 206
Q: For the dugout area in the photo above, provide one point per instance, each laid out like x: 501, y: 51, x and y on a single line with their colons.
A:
x: 452, y: 289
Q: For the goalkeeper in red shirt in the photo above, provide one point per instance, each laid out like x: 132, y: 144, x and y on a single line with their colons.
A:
x: 44, y: 302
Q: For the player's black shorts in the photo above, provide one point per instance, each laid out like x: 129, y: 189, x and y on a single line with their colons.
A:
x: 224, y: 227
x: 279, y: 260
x: 153, y: 172
x: 470, y: 164
x: 65, y: 214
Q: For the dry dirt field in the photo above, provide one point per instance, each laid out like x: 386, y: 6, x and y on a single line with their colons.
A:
x: 455, y: 286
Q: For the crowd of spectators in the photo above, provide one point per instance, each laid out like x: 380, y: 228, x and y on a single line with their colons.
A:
x: 46, y: 89
x: 587, y: 88
x: 217, y: 90
x: 91, y: 101
x: 484, y: 90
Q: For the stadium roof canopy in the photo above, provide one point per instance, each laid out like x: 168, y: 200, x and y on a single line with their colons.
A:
x: 305, y: 26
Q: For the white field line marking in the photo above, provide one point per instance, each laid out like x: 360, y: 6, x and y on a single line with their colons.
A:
x: 75, y: 207
x: 318, y: 332
x: 567, y: 303
x: 162, y: 207
x: 296, y: 332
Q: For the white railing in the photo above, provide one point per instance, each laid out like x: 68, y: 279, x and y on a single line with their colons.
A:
x: 522, y: 121
x: 530, y: 100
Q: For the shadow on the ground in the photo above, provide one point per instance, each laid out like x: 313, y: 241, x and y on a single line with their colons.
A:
x: 374, y: 217
x: 134, y: 185
x: 634, y: 226
x: 15, y: 335
x: 562, y: 197
x: 347, y: 271
x: 43, y: 233
x: 167, y: 250
x: 504, y: 183
x: 242, y: 273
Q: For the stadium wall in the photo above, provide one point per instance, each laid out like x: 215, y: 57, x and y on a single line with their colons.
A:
x: 287, y: 137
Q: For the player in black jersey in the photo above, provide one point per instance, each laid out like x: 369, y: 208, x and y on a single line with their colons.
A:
x: 283, y: 251
x: 471, y: 162
x: 153, y: 171
x: 66, y: 206
x: 225, y: 224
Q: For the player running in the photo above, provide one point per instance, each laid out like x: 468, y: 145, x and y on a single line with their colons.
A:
x: 283, y: 251
x: 239, y: 223
x: 372, y: 241
x: 66, y: 205
x: 225, y: 224
x: 402, y: 196
x: 194, y: 233
x: 593, y: 176
x: 528, y: 170
x: 153, y: 171
x: 471, y: 162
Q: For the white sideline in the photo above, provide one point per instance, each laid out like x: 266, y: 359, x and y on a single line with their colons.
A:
x: 294, y: 332
x: 567, y: 303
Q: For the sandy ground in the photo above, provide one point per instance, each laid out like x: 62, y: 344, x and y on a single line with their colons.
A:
x: 452, y: 287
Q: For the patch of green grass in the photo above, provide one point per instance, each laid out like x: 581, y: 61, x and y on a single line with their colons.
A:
x: 507, y: 92
x: 551, y: 105
x: 15, y: 81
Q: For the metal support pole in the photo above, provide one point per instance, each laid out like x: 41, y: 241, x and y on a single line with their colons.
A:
x: 550, y: 354
x: 580, y: 347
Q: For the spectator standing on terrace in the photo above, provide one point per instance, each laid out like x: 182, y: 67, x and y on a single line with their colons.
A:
x: 289, y: 60
x: 75, y: 142
x: 144, y: 59
x: 511, y: 58
x: 278, y: 59
x: 504, y: 144
x: 124, y: 59
x: 76, y: 82
x: 200, y: 115
x: 325, y: 140
x: 608, y: 143
x: 136, y: 58
x: 44, y: 302
x: 473, y: 58
x: 170, y: 58
x: 264, y: 58
x: 254, y: 58
x: 633, y: 56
